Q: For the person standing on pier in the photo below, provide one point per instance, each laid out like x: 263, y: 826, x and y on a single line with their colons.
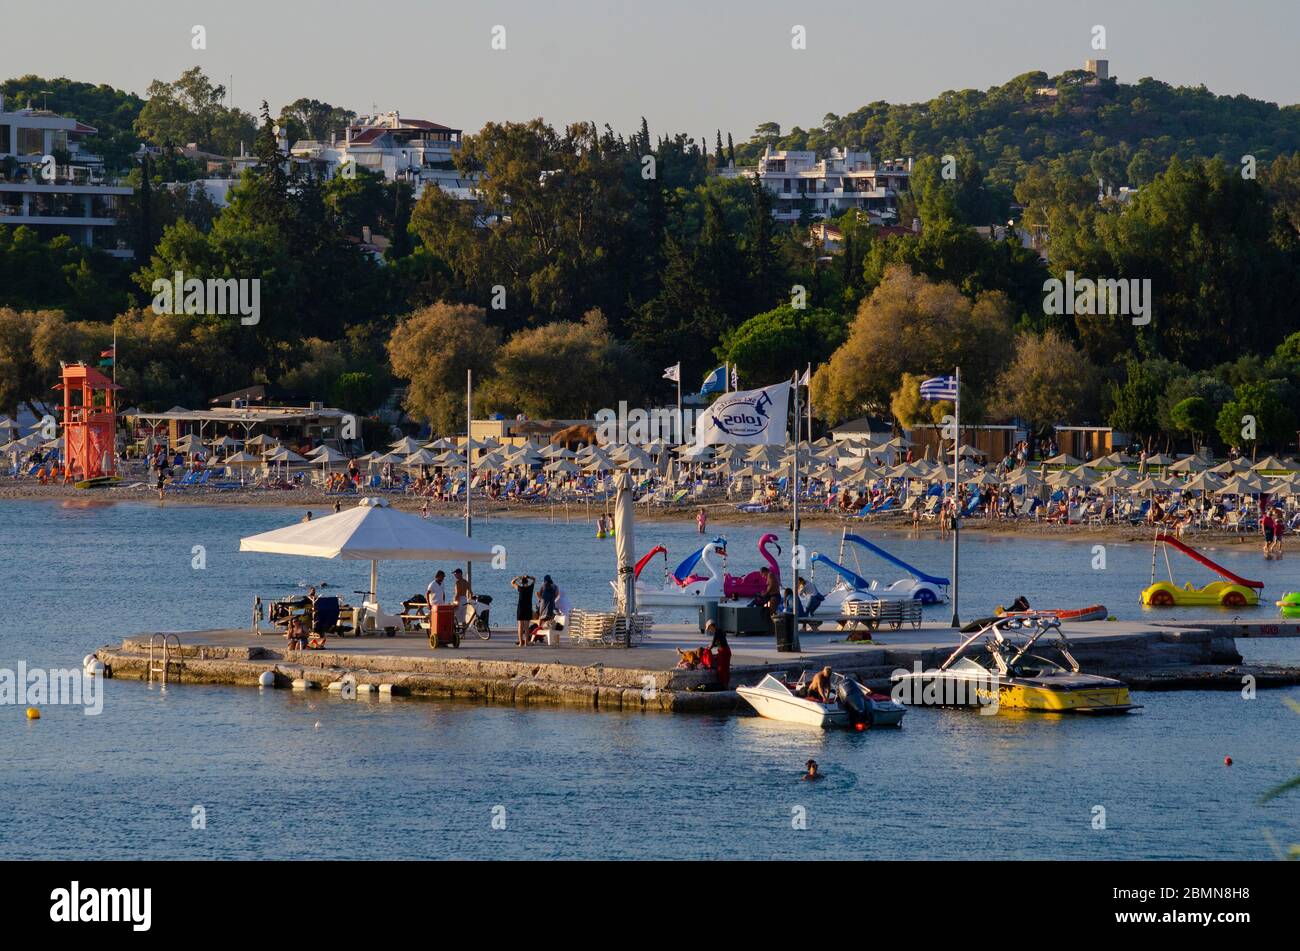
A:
x: 524, y: 610
x: 463, y: 594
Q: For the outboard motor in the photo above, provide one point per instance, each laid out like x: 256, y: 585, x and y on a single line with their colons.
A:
x: 853, y: 698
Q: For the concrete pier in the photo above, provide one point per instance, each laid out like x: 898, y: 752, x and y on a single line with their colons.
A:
x: 646, y: 677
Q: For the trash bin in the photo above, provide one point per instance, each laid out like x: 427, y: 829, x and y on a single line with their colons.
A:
x: 708, y: 612
x: 787, y: 639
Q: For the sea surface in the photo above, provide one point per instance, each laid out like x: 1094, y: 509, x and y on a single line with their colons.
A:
x: 211, y: 772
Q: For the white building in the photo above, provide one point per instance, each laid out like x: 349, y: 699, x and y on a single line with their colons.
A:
x: 49, y: 183
x: 842, y: 180
x: 399, y: 149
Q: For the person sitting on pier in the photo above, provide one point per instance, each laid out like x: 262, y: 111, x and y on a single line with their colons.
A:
x: 819, y: 688
x: 717, y: 656
x: 295, y: 634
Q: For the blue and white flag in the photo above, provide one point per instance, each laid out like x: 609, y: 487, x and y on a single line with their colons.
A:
x: 751, y: 417
x: 715, y: 382
x: 939, y: 388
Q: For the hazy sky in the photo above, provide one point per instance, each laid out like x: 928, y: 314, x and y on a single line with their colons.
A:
x: 689, y: 66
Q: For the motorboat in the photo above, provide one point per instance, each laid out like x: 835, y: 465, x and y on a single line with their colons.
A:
x: 854, y: 707
x: 754, y: 584
x: 1006, y: 676
x: 686, y: 586
x: 1233, y: 591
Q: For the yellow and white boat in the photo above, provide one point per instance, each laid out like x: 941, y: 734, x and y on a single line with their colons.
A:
x: 1009, y: 677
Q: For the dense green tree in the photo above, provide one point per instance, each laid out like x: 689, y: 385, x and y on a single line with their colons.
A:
x: 774, y: 344
x: 191, y: 109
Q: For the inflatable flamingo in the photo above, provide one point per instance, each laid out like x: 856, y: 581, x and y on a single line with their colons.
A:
x: 754, y: 584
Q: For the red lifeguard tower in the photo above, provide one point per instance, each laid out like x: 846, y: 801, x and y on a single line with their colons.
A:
x: 89, y: 423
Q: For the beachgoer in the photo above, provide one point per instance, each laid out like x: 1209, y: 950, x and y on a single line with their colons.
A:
x: 1267, y: 527
x: 701, y: 519
x: 307, y: 517
x: 546, y: 597
x: 295, y: 634
x: 811, y: 775
x: 524, y: 610
x: 338, y: 505
x: 463, y: 594
x: 771, y: 596
x: 787, y: 601
x: 717, y: 656
x: 809, y: 596
x: 819, y: 688
x: 436, y: 594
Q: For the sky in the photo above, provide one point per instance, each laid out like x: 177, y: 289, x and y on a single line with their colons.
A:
x: 686, y: 65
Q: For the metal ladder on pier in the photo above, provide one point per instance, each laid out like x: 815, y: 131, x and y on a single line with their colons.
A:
x: 163, y: 645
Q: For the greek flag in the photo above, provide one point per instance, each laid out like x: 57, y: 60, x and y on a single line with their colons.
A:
x: 939, y: 388
x: 715, y: 382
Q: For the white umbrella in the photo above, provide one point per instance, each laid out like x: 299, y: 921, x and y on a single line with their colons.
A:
x: 370, y: 531
x: 406, y: 445
x: 625, y: 547
x: 420, y: 457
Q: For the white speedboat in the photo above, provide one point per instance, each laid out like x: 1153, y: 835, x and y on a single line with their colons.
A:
x: 854, y: 704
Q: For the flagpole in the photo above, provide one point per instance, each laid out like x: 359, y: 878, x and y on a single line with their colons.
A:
x: 794, y: 510
x: 469, y: 454
x: 808, y: 376
x: 956, y: 496
x: 679, y: 403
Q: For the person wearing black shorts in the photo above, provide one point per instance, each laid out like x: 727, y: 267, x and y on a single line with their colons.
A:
x: 524, y: 609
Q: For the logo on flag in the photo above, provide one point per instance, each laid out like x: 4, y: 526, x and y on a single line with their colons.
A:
x: 939, y: 388
x: 673, y: 372
x: 735, y: 377
x: 749, y: 416
x: 715, y: 382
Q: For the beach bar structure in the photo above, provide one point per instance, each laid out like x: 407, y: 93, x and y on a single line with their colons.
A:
x: 993, y: 441
x: 315, y: 423
x: 89, y: 423
x: 1087, y: 442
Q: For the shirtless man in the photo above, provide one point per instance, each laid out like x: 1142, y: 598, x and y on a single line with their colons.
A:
x: 819, y: 688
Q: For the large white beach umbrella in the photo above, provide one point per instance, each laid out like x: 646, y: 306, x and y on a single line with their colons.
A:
x: 371, y: 531
x: 624, y: 544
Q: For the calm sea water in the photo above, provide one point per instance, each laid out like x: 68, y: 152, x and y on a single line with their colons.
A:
x: 279, y: 774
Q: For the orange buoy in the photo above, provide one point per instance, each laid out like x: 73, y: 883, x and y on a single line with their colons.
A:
x: 33, y: 713
x: 1227, y: 761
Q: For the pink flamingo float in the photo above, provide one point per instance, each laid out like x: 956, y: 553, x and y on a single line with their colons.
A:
x: 753, y: 584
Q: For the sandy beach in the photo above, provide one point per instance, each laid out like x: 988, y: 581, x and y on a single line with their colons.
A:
x: 720, y: 512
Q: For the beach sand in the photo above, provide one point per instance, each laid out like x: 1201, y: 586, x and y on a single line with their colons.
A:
x: 720, y: 512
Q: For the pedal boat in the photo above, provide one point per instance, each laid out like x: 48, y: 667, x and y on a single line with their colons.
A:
x: 1009, y: 677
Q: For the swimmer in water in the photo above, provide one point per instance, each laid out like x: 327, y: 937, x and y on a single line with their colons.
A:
x: 811, y: 775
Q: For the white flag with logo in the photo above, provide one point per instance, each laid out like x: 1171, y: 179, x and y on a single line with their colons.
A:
x: 673, y: 372
x: 747, y: 416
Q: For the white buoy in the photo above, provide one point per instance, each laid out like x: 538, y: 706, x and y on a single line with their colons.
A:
x: 386, y: 688
x: 302, y: 684
x: 334, y: 685
x: 266, y: 680
x: 365, y: 689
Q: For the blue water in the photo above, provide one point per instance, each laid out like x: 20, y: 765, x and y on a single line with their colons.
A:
x: 279, y: 774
